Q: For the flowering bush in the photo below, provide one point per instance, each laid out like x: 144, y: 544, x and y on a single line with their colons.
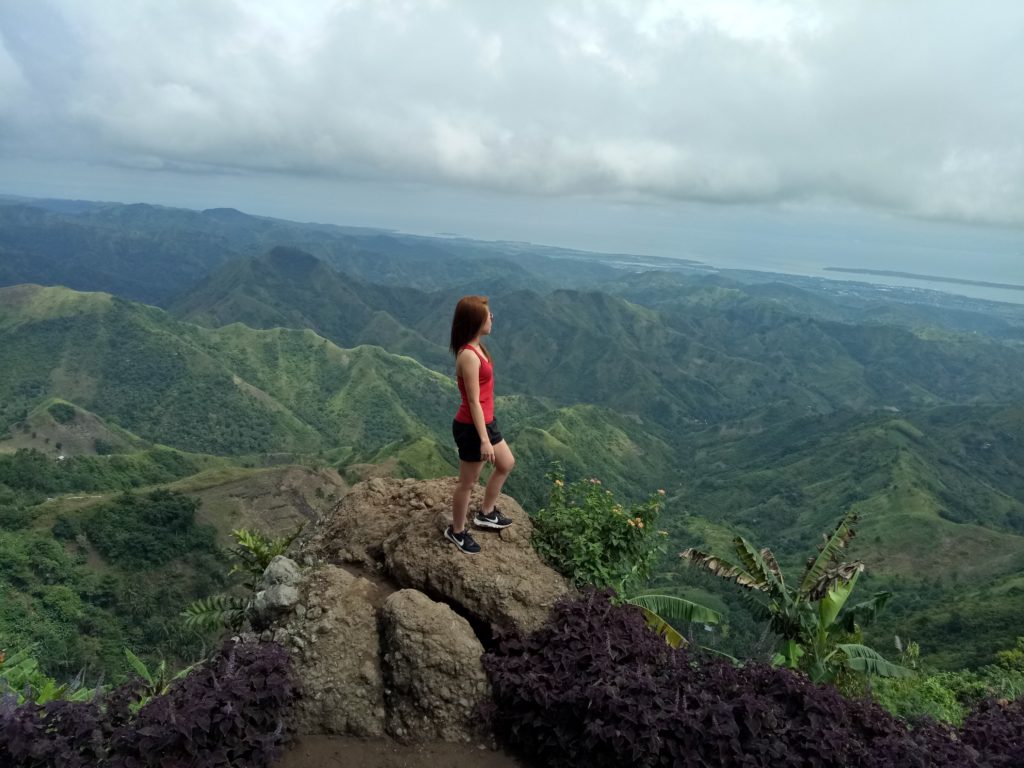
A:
x: 591, y: 538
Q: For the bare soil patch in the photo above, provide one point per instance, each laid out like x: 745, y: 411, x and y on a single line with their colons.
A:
x: 339, y: 752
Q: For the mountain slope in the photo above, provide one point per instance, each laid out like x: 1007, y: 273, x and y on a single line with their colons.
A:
x: 289, y: 288
x: 229, y: 391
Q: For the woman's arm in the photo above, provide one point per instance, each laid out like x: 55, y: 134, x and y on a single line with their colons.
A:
x: 470, y: 372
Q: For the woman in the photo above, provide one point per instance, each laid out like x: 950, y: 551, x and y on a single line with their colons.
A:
x: 475, y: 430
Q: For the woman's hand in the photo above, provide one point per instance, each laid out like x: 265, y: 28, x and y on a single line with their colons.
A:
x: 487, y: 451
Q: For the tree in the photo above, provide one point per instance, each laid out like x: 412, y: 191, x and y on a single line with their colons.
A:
x: 809, y: 617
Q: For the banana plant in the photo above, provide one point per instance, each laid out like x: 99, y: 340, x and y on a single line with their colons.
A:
x: 21, y: 677
x: 810, y: 616
x: 157, y: 681
x: 659, y: 608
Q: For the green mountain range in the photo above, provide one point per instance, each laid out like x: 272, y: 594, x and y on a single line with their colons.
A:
x: 763, y: 408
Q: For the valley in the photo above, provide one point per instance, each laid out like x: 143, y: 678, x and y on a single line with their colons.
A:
x: 260, y: 367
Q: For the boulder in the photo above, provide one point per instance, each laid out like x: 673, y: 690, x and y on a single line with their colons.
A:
x: 278, y: 593
x: 506, y: 585
x: 282, y: 570
x: 396, y: 527
x: 336, y: 655
x: 433, y: 673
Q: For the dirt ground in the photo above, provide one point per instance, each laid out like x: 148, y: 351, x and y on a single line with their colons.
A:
x: 337, y: 752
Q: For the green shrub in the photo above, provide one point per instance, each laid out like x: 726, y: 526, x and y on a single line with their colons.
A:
x: 589, y: 537
x: 140, y: 531
x: 62, y: 413
x: 949, y: 696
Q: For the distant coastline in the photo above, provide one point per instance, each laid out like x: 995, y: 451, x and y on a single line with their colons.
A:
x: 930, y: 278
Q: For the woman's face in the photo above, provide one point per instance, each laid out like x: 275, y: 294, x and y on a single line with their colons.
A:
x: 485, y: 329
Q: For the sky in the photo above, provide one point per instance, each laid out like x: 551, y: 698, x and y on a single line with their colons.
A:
x: 877, y: 134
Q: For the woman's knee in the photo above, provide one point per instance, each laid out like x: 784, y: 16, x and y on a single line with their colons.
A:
x: 504, y: 464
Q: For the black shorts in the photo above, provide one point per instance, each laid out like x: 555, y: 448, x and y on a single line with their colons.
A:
x: 468, y: 440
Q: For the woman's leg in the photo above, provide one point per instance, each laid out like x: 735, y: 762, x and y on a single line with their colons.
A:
x: 469, y: 473
x: 503, y: 463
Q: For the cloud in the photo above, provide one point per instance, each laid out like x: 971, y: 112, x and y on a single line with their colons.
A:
x: 909, y: 107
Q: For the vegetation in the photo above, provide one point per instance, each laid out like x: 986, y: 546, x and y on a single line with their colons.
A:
x: 36, y: 475
x: 23, y: 680
x: 252, y: 554
x: 78, y: 617
x: 595, y: 541
x: 593, y: 687
x: 230, y: 710
x: 139, y: 532
x: 818, y: 635
x: 949, y: 696
x: 758, y: 405
x: 592, y: 539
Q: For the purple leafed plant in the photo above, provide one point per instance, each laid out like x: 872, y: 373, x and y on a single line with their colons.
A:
x: 229, y: 711
x: 594, y: 687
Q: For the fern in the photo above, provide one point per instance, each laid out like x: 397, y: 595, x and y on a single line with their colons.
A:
x: 216, y: 612
x: 254, y: 551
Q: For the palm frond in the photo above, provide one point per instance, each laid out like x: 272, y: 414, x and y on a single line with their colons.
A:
x: 757, y: 565
x: 139, y: 666
x: 215, y: 612
x: 773, y: 565
x: 833, y: 579
x: 832, y: 602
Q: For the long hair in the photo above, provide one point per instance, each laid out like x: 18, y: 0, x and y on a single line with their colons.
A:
x: 470, y: 315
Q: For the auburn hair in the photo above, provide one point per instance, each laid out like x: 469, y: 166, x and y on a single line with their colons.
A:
x: 470, y: 315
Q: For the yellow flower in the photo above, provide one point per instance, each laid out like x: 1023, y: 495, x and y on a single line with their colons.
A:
x: 639, y: 523
x: 661, y: 491
x: 559, y: 483
x: 631, y: 523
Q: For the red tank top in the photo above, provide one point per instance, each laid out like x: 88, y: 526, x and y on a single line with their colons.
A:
x: 486, y: 392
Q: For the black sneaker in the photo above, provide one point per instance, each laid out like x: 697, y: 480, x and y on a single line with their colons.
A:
x: 462, y: 540
x: 494, y: 520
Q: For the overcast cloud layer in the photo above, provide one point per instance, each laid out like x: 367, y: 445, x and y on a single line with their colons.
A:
x: 915, y: 108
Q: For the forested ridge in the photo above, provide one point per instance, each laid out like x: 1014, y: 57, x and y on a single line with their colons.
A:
x: 763, y: 408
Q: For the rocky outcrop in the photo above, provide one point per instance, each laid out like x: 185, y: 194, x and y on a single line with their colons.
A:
x: 336, y: 654
x: 396, y: 528
x: 435, y: 679
x: 386, y: 620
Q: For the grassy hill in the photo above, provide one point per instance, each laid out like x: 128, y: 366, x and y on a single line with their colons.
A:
x: 937, y: 492
x: 764, y: 408
x: 86, y: 569
x: 231, y: 391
